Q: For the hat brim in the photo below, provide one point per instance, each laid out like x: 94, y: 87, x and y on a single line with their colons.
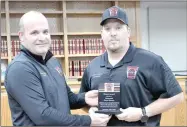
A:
x: 102, y: 23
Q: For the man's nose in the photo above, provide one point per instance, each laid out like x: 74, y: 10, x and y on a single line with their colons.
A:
x: 113, y: 32
x: 41, y: 36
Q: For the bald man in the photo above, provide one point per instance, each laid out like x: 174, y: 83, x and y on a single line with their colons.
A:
x: 37, y: 90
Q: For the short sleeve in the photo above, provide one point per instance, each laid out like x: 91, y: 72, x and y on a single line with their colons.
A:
x: 163, y: 83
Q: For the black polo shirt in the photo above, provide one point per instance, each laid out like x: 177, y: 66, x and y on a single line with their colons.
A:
x: 143, y: 76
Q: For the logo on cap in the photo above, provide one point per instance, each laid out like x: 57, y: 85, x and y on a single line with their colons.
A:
x: 131, y: 72
x: 113, y: 11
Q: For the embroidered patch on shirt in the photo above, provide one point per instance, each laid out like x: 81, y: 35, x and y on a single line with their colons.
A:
x: 131, y: 72
x: 58, y: 70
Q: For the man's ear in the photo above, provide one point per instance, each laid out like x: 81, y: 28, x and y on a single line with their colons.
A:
x: 101, y: 32
x: 20, y: 35
x: 129, y: 31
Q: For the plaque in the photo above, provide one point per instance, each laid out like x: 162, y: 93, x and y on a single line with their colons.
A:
x: 109, y: 98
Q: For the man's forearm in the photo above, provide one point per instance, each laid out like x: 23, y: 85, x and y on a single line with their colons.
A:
x: 77, y: 101
x: 52, y: 117
x: 162, y: 105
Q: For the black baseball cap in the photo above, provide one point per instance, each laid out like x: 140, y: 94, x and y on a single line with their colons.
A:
x: 114, y: 12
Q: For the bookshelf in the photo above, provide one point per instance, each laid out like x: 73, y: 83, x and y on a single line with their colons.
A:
x: 52, y: 34
x: 44, y: 12
x: 4, y: 58
x: 83, y: 55
x: 83, y: 33
x: 68, y: 21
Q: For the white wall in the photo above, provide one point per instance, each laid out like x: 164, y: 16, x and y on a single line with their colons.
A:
x: 164, y: 31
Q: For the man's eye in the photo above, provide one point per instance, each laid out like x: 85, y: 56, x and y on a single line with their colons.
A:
x: 46, y: 32
x: 34, y: 33
x: 107, y: 29
x: 118, y: 28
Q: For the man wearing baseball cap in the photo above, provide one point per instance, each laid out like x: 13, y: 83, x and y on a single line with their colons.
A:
x: 147, y: 89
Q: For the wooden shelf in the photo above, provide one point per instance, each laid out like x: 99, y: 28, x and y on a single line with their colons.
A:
x: 181, y: 77
x: 59, y: 56
x: 2, y: 81
x: 82, y: 55
x: 73, y: 82
x: 84, y: 33
x: 58, y: 33
x: 4, y: 58
x: 3, y: 34
x: 84, y: 13
x: 53, y: 34
x: 75, y: 77
x: 3, y: 90
x: 14, y: 34
x: 3, y: 12
x: 44, y: 12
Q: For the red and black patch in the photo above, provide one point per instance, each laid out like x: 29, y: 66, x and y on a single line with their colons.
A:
x: 131, y: 72
x: 58, y: 70
x: 113, y: 11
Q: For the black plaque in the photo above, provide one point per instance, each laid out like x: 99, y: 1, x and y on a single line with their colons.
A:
x: 109, y: 98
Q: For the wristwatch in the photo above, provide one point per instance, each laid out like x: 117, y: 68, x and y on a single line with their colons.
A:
x: 144, y: 117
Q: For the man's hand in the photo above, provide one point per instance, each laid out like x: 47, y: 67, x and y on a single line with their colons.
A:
x: 91, y: 97
x: 130, y: 114
x: 98, y: 119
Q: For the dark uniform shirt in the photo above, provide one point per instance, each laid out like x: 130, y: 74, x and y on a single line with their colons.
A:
x: 143, y: 76
x: 38, y: 93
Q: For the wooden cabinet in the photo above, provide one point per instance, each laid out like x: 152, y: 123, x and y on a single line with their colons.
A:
x: 177, y: 116
x: 5, y: 110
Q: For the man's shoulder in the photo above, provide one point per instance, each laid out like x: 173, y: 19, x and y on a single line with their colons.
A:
x: 19, y: 63
x: 54, y: 60
x: 22, y: 57
x: 143, y: 53
x: 96, y: 61
x: 151, y: 57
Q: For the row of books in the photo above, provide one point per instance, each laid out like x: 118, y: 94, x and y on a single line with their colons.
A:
x: 15, y: 47
x: 75, y: 46
x: 57, y: 47
x: 4, y: 49
x: 86, y: 46
x: 77, y: 67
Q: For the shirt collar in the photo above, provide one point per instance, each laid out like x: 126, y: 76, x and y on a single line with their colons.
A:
x: 37, y: 57
x: 126, y: 59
